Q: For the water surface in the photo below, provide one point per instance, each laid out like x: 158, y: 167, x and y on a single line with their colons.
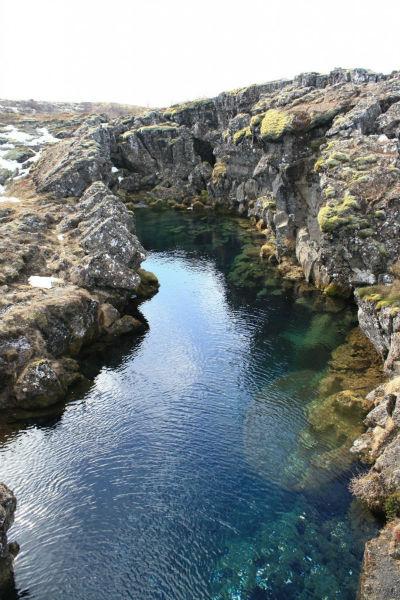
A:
x: 172, y: 477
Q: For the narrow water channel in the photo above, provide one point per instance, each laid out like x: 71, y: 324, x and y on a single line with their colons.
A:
x: 177, y: 474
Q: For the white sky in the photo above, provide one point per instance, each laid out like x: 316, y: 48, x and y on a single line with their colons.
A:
x: 155, y: 52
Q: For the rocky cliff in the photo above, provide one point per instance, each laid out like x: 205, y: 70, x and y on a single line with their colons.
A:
x: 316, y: 158
x: 314, y: 161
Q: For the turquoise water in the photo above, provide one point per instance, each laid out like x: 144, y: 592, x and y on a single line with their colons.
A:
x: 171, y: 477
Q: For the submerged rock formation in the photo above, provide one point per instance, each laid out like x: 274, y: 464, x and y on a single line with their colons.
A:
x: 314, y: 161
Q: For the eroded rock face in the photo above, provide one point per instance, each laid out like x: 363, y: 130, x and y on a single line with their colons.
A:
x: 108, y: 252
x: 8, y: 505
x: 323, y: 149
x: 69, y: 167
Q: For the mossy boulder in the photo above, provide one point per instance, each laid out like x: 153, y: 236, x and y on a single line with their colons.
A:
x: 337, y: 290
x: 20, y: 154
x: 5, y: 175
x: 241, y: 135
x: 44, y: 382
x: 148, y: 286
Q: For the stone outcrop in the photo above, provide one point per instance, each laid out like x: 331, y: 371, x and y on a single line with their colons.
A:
x: 319, y: 151
x: 8, y: 505
x: 68, y: 168
x: 63, y: 289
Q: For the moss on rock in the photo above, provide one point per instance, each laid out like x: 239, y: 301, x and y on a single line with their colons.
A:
x: 275, y: 124
x: 219, y: 172
x: 334, y: 216
x: 241, y: 134
x: 148, y: 286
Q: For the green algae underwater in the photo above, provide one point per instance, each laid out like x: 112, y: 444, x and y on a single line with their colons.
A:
x: 222, y: 469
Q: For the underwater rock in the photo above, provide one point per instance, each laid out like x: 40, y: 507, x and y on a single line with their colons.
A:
x: 335, y: 415
x: 295, y: 556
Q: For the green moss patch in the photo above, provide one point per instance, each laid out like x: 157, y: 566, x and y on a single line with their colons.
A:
x: 383, y: 296
x: 241, y: 134
x: 275, y: 124
x: 392, y: 506
x: 333, y: 216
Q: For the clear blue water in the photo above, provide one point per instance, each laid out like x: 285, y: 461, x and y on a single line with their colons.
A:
x: 167, y: 478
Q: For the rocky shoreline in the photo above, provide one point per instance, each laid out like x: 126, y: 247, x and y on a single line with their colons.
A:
x: 314, y: 162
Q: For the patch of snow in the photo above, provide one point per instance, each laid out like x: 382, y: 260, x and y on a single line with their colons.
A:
x: 114, y: 170
x: 28, y: 139
x: 35, y: 158
x: 12, y: 133
x: 10, y: 199
x: 10, y: 165
x: 45, y: 136
x: 23, y: 173
x: 120, y: 179
x: 45, y: 283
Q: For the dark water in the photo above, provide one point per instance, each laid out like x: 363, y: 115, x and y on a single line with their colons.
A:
x: 172, y: 477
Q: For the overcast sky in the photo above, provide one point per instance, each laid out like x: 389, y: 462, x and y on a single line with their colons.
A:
x: 155, y: 52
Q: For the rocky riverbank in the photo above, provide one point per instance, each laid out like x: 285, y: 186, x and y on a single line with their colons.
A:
x: 313, y: 161
x: 69, y: 276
